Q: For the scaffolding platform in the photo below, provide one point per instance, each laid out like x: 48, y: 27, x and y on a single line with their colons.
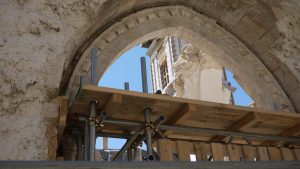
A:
x: 193, y: 114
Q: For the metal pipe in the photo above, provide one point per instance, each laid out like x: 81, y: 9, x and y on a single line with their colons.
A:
x: 100, y: 120
x: 126, y: 86
x: 102, y: 117
x: 130, y: 155
x: 94, y: 67
x: 86, y: 137
x: 142, y: 137
x: 159, y: 121
x: 156, y: 155
x: 127, y: 144
x: 79, y: 147
x: 247, y: 140
x: 114, y: 135
x: 123, y: 122
x: 230, y: 133
x: 206, y: 130
x: 148, y: 134
x: 93, y: 107
x: 144, y: 75
x: 230, y: 140
x: 81, y: 80
x: 160, y: 134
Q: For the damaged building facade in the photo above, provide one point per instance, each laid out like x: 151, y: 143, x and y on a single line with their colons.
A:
x: 179, y: 70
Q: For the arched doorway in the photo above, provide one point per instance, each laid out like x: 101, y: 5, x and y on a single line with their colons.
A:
x: 202, y: 32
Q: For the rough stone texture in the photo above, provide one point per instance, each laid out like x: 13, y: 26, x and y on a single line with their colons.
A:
x: 42, y: 42
x: 203, y: 33
x: 36, y: 38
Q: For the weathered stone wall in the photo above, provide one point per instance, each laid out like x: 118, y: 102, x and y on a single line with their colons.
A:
x: 203, y: 33
x: 41, y: 42
x: 35, y: 39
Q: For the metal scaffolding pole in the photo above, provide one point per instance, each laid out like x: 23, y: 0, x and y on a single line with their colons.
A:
x: 125, y: 123
x: 101, y: 118
x: 127, y: 144
x: 144, y: 75
x: 93, y: 106
x: 148, y: 134
x: 206, y: 130
x: 79, y: 147
x: 142, y: 137
x: 230, y: 133
x: 114, y: 135
x: 160, y: 134
x: 130, y: 151
x: 86, y: 138
x: 94, y: 67
x: 130, y: 154
x: 126, y: 86
x: 156, y: 155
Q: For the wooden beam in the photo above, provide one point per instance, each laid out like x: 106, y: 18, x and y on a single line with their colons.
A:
x: 183, y: 114
x: 289, y: 132
x: 63, y: 112
x: 217, y: 151
x: 113, y: 103
x: 297, y: 154
x: 274, y: 153
x: 202, y: 150
x: 184, y: 150
x: 247, y: 120
x: 263, y: 154
x: 287, y: 154
x: 250, y: 153
x: 235, y: 152
x: 164, y: 148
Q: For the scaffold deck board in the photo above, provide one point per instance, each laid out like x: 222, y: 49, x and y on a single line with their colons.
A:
x: 129, y: 105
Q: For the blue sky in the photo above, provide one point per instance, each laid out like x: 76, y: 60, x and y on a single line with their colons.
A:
x: 128, y: 69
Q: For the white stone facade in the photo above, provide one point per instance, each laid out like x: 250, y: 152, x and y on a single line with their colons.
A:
x: 180, y: 70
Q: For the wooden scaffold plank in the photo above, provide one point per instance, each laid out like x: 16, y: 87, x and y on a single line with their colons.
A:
x: 217, y: 151
x: 164, y: 147
x: 263, y: 154
x: 202, y: 150
x: 247, y: 120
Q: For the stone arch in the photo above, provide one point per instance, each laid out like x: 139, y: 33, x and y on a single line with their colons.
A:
x: 203, y: 32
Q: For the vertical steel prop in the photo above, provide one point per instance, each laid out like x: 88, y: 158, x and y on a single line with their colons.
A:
x: 130, y: 155
x: 93, y: 106
x: 144, y: 75
x: 147, y: 112
x: 94, y: 67
x: 130, y: 151
x: 86, y: 138
x: 79, y: 147
x: 126, y: 86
